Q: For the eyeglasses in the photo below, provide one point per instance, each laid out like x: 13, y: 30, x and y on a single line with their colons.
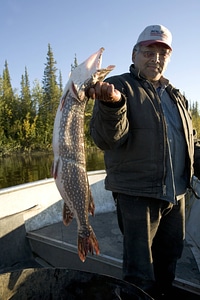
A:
x: 151, y: 54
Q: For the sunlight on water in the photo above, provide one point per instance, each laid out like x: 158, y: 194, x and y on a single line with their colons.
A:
x: 18, y: 169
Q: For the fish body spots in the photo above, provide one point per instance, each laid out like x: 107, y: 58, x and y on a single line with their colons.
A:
x: 69, y: 169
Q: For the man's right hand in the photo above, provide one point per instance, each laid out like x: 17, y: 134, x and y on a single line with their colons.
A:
x: 104, y: 91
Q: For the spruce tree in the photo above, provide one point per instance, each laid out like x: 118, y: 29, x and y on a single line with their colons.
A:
x: 25, y: 97
x: 8, y: 106
x: 27, y: 116
x: 51, y: 96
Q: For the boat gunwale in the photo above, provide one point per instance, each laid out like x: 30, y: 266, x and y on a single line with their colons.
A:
x: 40, y: 182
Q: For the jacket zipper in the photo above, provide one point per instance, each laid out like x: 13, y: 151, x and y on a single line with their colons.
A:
x: 164, y: 187
x: 164, y: 151
x: 166, y: 142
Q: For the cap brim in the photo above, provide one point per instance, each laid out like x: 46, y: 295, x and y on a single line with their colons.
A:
x: 151, y: 42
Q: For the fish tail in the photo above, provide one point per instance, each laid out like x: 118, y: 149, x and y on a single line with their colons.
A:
x: 67, y: 215
x: 87, y: 244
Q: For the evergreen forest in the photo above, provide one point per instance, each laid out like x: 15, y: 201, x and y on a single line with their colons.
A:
x: 27, y: 116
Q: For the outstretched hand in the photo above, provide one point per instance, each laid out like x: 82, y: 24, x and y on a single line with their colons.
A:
x: 104, y: 91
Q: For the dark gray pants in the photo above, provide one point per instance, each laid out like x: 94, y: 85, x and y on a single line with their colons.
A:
x: 154, y: 232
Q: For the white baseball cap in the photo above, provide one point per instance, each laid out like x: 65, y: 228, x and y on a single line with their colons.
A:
x: 155, y: 34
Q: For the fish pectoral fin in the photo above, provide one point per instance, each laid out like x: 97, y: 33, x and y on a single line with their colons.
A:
x: 87, y: 244
x: 54, y: 168
x: 67, y: 215
x: 91, y: 205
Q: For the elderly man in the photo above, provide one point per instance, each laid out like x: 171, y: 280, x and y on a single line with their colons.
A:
x: 143, y: 125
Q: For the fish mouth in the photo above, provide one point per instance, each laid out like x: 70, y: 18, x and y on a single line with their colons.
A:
x: 101, y: 50
x: 110, y: 68
x: 94, y: 61
x: 99, y: 60
x: 92, y: 74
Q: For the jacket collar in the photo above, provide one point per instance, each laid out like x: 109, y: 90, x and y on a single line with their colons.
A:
x: 136, y: 73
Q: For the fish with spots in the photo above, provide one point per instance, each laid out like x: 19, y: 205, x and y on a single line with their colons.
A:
x: 69, y: 166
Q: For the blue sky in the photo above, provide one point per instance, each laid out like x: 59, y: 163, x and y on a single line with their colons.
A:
x: 81, y: 27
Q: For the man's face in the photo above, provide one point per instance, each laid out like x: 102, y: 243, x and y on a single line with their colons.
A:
x: 152, y: 61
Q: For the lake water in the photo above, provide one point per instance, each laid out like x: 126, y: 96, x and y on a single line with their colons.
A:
x: 18, y: 169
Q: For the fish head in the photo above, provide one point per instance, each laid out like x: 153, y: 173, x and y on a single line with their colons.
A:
x: 87, y: 74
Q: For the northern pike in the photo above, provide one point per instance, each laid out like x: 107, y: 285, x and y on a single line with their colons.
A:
x: 69, y: 166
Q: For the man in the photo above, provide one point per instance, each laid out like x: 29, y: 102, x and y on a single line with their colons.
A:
x: 143, y: 125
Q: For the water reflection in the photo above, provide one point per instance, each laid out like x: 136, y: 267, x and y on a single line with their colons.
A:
x: 19, y: 169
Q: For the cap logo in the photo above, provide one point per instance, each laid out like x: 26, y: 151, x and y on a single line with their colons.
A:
x: 158, y: 33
